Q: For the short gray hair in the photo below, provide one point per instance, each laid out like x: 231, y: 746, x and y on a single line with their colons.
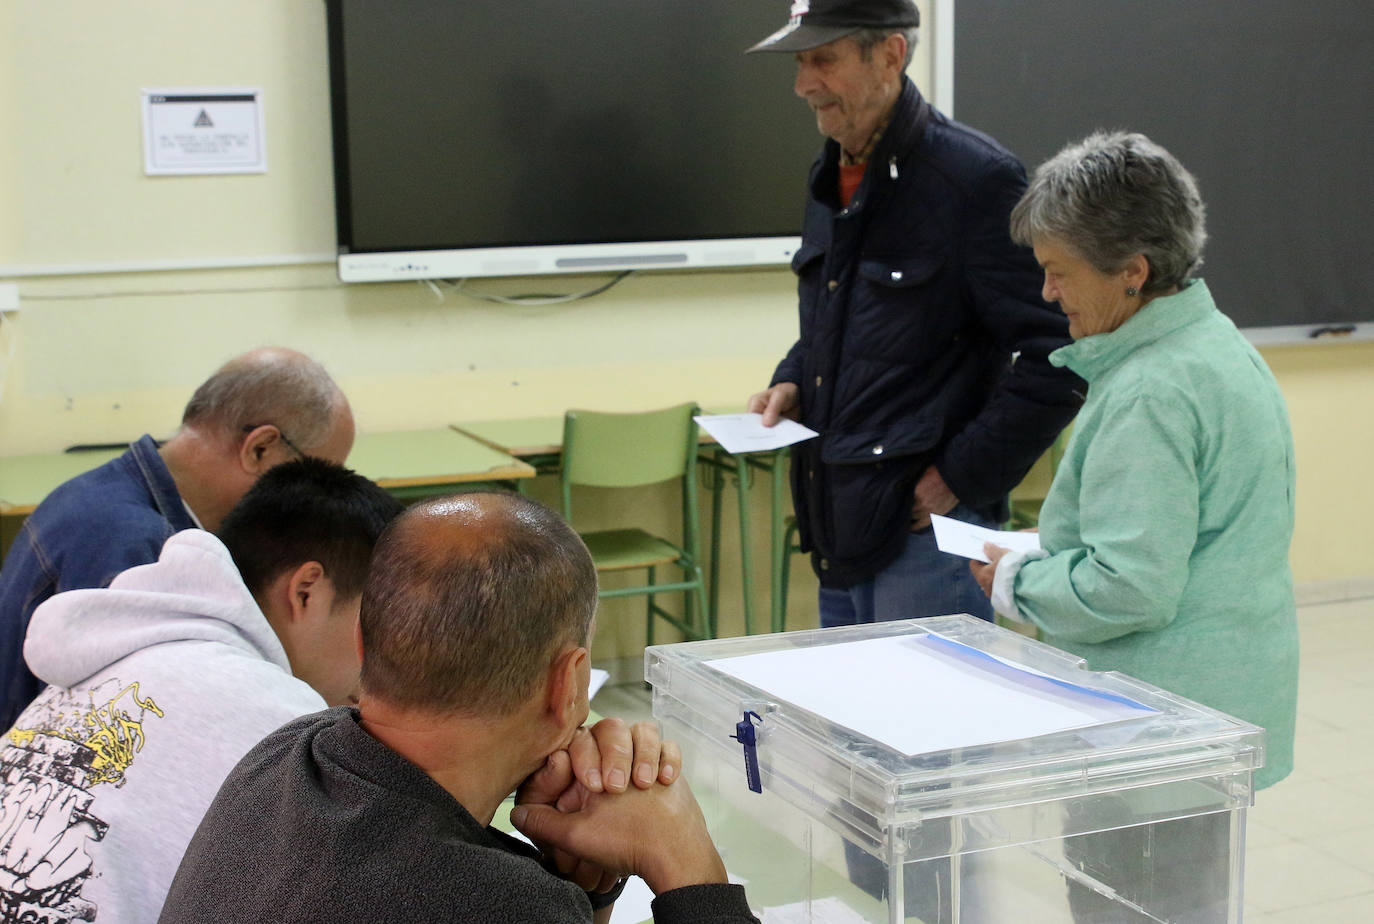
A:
x: 272, y: 385
x: 468, y: 599
x: 1114, y: 195
x: 866, y: 39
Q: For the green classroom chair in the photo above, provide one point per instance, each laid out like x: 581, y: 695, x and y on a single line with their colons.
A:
x: 632, y: 450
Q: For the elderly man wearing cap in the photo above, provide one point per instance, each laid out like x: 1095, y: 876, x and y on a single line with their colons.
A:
x: 922, y: 359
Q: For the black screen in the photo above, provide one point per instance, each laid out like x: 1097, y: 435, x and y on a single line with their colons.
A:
x: 481, y: 123
x: 1267, y: 102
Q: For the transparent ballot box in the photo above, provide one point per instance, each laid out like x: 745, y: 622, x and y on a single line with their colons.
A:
x: 948, y: 770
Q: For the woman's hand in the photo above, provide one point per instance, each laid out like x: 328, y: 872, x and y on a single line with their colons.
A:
x: 984, y: 573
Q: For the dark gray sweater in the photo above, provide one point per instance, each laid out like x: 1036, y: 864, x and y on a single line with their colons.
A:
x: 322, y: 822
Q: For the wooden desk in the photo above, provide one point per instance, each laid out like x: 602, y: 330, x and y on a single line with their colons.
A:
x: 26, y: 480
x: 416, y: 463
x: 539, y: 441
x: 523, y: 437
x: 409, y: 464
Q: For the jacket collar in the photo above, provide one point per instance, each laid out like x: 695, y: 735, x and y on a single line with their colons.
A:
x: 905, y: 127
x: 163, y: 489
x: 1095, y: 355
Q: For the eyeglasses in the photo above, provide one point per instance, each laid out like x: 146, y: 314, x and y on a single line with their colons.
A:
x: 249, y: 428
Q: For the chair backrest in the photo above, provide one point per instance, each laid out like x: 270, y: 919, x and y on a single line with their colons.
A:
x: 628, y: 450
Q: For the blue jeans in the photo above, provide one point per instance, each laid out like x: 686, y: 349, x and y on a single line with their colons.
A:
x: 923, y: 582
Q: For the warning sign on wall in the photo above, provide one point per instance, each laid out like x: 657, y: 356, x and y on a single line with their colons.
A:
x: 203, y: 131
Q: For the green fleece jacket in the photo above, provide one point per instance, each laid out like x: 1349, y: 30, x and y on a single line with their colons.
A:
x: 1168, y: 524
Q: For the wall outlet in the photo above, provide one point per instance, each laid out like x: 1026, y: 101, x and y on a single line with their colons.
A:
x: 9, y: 296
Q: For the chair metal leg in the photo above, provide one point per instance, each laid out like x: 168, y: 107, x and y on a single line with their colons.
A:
x: 649, y: 620
x: 716, y: 466
x: 692, y: 612
x: 743, y: 478
x: 786, y: 569
x: 707, y: 627
x: 780, y: 547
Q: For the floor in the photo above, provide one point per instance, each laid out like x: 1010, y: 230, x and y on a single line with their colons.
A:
x: 1310, y: 846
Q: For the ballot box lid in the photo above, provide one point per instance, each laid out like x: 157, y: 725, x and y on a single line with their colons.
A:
x: 844, y: 725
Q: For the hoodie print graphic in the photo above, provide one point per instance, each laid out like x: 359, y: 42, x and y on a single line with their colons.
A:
x: 51, y: 763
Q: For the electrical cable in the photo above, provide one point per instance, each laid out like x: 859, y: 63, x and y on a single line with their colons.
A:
x: 456, y: 285
x: 535, y: 298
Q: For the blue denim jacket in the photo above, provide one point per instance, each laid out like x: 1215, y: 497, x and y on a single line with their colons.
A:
x: 82, y: 535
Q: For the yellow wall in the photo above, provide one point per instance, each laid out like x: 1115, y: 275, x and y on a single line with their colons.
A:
x: 107, y: 357
x: 1329, y: 391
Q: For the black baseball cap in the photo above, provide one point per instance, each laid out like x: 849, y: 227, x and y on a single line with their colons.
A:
x: 817, y: 22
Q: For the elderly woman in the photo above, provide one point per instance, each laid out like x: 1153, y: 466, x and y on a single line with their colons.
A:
x: 1165, y: 533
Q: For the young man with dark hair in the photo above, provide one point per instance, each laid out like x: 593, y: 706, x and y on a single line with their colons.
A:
x: 163, y: 680
x: 302, y: 540
x: 476, y: 625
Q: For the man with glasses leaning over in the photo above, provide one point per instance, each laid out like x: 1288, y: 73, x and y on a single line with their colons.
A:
x: 265, y: 407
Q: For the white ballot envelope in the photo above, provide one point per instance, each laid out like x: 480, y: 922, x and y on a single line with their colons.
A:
x: 746, y: 433
x: 959, y: 538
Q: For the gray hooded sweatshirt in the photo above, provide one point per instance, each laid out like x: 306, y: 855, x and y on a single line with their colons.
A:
x: 159, y: 684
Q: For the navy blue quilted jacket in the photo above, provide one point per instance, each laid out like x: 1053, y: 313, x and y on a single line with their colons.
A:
x: 923, y: 340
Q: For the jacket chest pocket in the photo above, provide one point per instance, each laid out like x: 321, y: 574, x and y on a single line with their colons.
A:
x: 899, y: 305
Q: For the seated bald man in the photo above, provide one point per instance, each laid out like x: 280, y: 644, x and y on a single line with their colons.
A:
x: 265, y: 407
x: 476, y: 623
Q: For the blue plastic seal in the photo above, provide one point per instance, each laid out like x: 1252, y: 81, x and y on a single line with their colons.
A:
x: 745, y: 735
